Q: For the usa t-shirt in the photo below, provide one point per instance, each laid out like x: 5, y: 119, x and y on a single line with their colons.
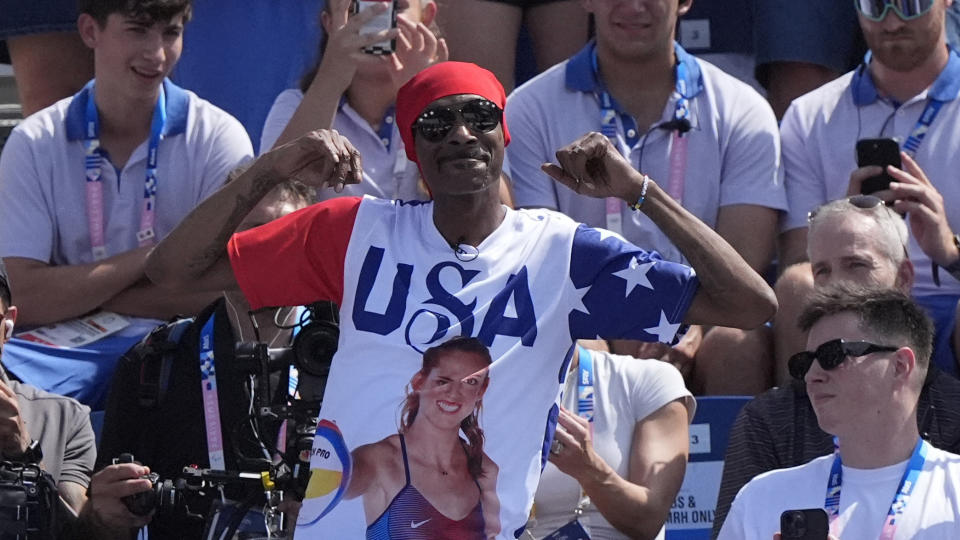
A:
x: 539, y: 282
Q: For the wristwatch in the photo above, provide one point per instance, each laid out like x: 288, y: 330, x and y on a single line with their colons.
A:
x: 953, y: 268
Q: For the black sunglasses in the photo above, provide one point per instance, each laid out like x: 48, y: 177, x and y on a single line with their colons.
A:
x: 480, y: 115
x: 831, y: 354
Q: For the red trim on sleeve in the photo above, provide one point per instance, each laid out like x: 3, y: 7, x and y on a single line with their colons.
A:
x: 297, y: 259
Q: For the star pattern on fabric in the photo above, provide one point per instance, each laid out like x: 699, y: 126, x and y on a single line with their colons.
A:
x: 636, y: 274
x: 580, y: 305
x: 665, y: 330
x: 605, y: 234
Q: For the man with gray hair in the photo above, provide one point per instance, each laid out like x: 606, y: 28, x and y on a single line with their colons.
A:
x: 852, y: 240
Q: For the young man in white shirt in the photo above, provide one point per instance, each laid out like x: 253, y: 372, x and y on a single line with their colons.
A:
x: 868, y: 353
x: 89, y: 184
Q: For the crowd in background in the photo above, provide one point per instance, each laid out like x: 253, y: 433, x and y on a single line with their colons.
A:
x: 140, y: 116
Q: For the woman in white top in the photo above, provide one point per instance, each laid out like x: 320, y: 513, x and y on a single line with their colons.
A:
x: 354, y: 93
x: 625, y: 474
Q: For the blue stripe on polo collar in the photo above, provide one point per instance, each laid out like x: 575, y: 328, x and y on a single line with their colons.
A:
x: 945, y: 88
x: 580, y: 75
x: 178, y: 106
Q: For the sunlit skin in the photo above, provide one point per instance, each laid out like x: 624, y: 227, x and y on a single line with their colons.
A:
x: 635, y: 29
x: 133, y: 56
x: 848, y: 248
x: 903, y: 46
x: 371, y: 66
x: 853, y: 397
x: 465, y: 162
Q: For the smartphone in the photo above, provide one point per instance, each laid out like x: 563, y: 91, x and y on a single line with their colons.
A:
x: 384, y: 21
x: 880, y: 152
x: 808, y: 524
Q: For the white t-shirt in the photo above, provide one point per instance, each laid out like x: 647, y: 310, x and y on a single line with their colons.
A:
x: 626, y: 390
x: 932, y: 512
x: 539, y: 282
x: 387, y: 173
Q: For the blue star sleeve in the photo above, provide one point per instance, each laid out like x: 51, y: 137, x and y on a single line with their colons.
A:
x: 624, y: 291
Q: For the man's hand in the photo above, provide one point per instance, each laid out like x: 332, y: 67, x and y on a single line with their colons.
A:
x: 105, y: 509
x: 573, y: 451
x: 14, y: 437
x: 914, y: 195
x: 321, y: 158
x: 860, y: 175
x: 417, y: 48
x: 592, y: 166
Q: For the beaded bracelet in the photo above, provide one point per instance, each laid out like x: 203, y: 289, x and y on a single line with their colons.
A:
x: 643, y: 194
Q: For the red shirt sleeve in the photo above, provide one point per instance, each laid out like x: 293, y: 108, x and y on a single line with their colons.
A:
x: 297, y: 259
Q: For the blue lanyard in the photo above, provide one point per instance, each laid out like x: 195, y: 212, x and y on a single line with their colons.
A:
x: 919, y: 132
x: 907, y: 482
x: 93, y: 164
x: 608, y: 114
x: 211, y: 402
x: 585, y: 385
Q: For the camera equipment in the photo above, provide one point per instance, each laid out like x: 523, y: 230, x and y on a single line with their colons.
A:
x: 27, y: 502
x: 270, y: 445
x: 316, y: 342
x: 162, y: 496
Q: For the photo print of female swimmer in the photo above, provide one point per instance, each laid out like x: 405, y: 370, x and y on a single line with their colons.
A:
x: 427, y: 481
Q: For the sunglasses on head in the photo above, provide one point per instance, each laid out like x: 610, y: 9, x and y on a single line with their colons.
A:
x: 831, y: 354
x: 479, y: 115
x: 863, y: 202
x: 876, y: 10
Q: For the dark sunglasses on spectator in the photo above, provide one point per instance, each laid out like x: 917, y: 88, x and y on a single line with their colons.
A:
x: 831, y: 354
x: 479, y: 115
x: 876, y: 10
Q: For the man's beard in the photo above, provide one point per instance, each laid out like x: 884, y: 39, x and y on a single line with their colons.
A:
x: 903, y: 55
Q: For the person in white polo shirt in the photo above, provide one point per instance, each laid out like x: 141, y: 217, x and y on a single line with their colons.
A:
x: 905, y: 89
x: 866, y: 359
x: 711, y: 138
x: 90, y: 184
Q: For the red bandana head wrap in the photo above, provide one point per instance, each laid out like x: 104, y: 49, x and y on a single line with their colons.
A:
x: 442, y: 80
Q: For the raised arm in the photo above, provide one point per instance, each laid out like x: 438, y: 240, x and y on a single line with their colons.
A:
x: 194, y: 254
x: 731, y: 293
x: 336, y: 70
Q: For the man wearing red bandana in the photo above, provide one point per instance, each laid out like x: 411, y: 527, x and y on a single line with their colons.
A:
x: 410, y: 276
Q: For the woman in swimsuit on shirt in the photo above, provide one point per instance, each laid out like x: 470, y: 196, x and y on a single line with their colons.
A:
x: 427, y: 481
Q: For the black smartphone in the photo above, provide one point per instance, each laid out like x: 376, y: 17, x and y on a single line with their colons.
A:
x: 880, y: 152
x: 808, y: 524
x: 384, y: 21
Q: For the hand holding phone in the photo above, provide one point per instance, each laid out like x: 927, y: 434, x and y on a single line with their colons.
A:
x: 880, y: 152
x: 387, y: 20
x: 807, y: 524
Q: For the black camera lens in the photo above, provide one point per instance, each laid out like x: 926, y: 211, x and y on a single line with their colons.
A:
x: 144, y: 502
